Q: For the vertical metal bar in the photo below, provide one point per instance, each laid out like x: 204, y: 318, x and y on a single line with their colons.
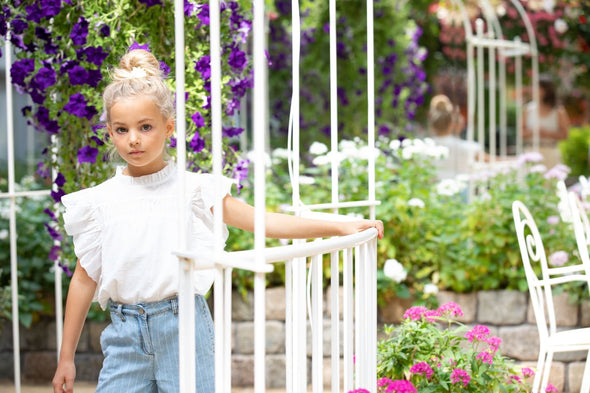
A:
x: 260, y: 127
x: 503, y: 108
x: 358, y: 323
x: 480, y: 89
x: 334, y: 103
x: 372, y: 317
x: 227, y: 324
x: 289, y: 325
x: 57, y: 271
x: 299, y: 326
x: 186, y: 299
x: 317, y: 325
x: 219, y: 307
x: 335, y: 319
x: 296, y: 49
x: 347, y: 320
x: 519, y: 101
x: 12, y: 217
x: 371, y: 104
x: 492, y: 96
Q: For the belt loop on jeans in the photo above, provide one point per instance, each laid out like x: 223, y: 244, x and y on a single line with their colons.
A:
x: 119, y: 312
x: 174, y: 304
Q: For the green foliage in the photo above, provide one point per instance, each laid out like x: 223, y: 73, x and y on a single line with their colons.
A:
x: 442, y: 238
x: 574, y: 151
x: 35, y: 270
x: 438, y: 354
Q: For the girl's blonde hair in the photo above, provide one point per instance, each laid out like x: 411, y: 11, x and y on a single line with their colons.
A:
x: 138, y: 74
x: 441, y: 114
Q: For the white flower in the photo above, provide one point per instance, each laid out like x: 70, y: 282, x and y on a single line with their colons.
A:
x: 416, y: 202
x: 318, y: 148
x: 539, y: 168
x: 449, y: 187
x: 251, y: 155
x: 394, y: 270
x: 560, y: 26
x: 395, y: 144
x: 558, y: 258
x: 430, y: 289
x: 3, y: 234
x: 280, y: 153
x: 306, y: 180
x: 326, y: 159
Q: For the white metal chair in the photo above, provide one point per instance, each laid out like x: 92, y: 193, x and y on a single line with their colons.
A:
x: 541, y: 292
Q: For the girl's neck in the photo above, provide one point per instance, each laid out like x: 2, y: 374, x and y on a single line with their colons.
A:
x: 133, y: 171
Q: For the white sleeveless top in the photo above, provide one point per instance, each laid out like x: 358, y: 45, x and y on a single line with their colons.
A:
x: 125, y: 229
x: 548, y: 122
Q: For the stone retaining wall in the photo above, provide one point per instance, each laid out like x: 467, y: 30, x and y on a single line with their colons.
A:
x: 507, y: 314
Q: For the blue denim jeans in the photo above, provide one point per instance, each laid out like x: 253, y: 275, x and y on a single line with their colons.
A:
x: 140, y: 348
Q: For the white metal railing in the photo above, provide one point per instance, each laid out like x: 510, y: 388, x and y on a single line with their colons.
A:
x: 357, y: 253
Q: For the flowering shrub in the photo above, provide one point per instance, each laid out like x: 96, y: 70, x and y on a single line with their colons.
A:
x: 431, y: 352
x: 64, y: 50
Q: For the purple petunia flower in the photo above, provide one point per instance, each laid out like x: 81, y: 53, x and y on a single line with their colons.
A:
x: 20, y: 70
x: 198, y: 120
x: 76, y: 105
x: 172, y: 143
x: 51, y: 215
x: 164, y: 68
x: 151, y: 3
x: 54, y: 253
x: 79, y: 32
x: 241, y: 173
x: 203, y: 65
x: 135, y: 45
x: 87, y: 154
x: 78, y: 75
x: 56, y: 195
x: 105, y: 30
x: 53, y: 233
x: 231, y: 131
x: 232, y: 106
x: 60, y: 180
x: 197, y: 143
x: 237, y: 59
x: 188, y: 8
x: 44, y: 78
x: 203, y: 14
x: 95, y: 55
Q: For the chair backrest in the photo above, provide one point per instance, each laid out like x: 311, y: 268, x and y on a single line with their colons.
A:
x: 581, y: 226
x: 532, y: 253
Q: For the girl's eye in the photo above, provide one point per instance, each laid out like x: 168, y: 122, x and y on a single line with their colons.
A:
x: 146, y: 127
x: 121, y: 130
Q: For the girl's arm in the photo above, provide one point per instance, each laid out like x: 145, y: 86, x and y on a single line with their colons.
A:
x: 283, y: 226
x: 80, y: 295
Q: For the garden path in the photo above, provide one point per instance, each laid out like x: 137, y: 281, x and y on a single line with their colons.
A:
x: 85, y: 387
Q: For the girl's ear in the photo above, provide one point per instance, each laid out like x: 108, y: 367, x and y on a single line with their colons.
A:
x: 170, y: 124
x: 110, y: 129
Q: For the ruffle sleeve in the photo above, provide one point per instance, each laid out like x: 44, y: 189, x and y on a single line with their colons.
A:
x: 203, y: 197
x: 80, y: 219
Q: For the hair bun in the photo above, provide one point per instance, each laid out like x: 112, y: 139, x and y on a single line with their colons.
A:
x: 137, y: 63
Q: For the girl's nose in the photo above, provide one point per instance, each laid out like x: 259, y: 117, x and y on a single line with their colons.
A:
x: 133, y: 137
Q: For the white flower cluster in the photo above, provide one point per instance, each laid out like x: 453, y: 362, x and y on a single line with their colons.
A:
x: 394, y: 270
x: 346, y: 150
x: 411, y: 148
x: 449, y: 187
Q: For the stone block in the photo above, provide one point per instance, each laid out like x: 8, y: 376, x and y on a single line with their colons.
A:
x: 38, y: 366
x: 37, y: 337
x: 6, y: 366
x: 520, y: 342
x: 326, y: 338
x: 94, y: 331
x: 242, y: 370
x: 275, y: 303
x: 393, y: 311
x: 275, y: 337
x: 88, y: 366
x: 501, y: 307
x: 242, y: 308
x: 556, y: 375
x: 328, y: 372
x: 575, y: 373
x: 585, y: 308
x: 466, y: 301
x: 566, y: 313
x: 276, y: 372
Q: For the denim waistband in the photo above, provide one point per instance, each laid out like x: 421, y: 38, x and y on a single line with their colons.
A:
x: 145, y: 308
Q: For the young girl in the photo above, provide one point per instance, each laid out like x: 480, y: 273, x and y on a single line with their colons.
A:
x: 124, y: 231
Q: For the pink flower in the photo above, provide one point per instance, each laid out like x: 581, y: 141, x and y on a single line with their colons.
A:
x: 515, y: 379
x: 486, y: 357
x: 359, y: 391
x: 431, y: 315
x: 451, y: 309
x: 551, y: 389
x: 422, y: 368
x: 478, y: 333
x: 494, y: 342
x: 558, y: 258
x: 415, y: 313
x: 527, y: 372
x: 401, y: 386
x: 460, y: 376
x: 553, y: 220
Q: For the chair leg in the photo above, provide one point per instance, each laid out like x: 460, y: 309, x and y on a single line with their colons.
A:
x: 539, y: 371
x: 586, y: 379
x: 547, y: 370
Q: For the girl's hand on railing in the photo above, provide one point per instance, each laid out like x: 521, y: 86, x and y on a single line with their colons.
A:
x: 359, y: 226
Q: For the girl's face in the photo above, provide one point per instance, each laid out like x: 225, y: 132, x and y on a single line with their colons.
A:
x: 139, y: 133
